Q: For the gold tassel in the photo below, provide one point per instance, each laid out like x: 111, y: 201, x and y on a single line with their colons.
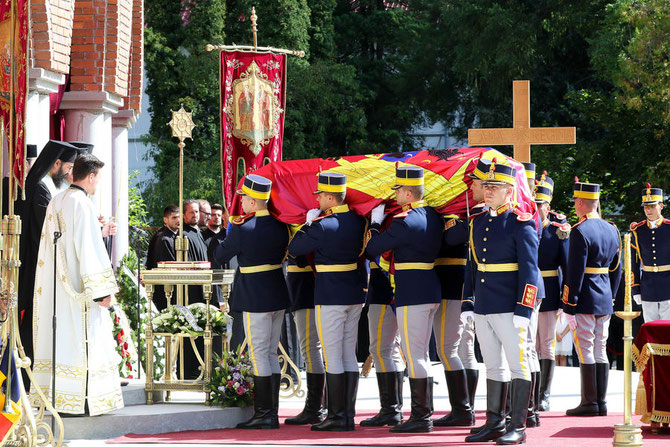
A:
x: 367, y: 366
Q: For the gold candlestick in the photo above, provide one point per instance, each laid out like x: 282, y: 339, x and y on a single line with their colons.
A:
x: 627, y: 434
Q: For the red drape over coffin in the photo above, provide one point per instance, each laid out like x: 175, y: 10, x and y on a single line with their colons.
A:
x: 370, y: 177
x: 651, y: 353
x: 253, y: 87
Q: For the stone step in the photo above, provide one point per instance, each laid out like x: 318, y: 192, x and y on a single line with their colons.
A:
x: 134, y: 394
x: 153, y: 419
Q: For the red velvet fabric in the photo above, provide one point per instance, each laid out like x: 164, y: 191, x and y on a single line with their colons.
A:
x: 652, y: 351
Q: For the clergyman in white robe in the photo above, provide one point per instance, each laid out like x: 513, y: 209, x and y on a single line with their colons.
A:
x: 86, y: 359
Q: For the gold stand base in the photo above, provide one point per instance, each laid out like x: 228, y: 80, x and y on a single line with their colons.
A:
x: 627, y: 435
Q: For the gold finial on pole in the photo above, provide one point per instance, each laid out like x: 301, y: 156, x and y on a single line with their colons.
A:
x: 254, y: 28
x: 627, y: 434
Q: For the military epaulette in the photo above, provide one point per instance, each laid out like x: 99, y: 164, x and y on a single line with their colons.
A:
x: 478, y: 214
x: 558, y: 216
x: 521, y: 216
x: 666, y: 221
x: 583, y: 219
x: 403, y: 214
x: 635, y: 225
x: 562, y: 230
x: 321, y: 217
x: 239, y: 220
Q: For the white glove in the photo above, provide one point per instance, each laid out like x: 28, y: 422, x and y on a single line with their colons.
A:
x: 520, y: 322
x: 311, y: 215
x: 377, y: 214
x: 572, y: 321
x: 638, y: 299
x: 467, y: 317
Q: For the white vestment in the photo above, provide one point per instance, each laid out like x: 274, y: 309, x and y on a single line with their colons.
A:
x: 86, y: 358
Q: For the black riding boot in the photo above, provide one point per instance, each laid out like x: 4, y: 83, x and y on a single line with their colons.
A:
x: 265, y: 414
x: 461, y: 415
x: 546, y: 375
x: 602, y: 375
x: 472, y: 376
x: 516, y: 432
x: 496, y: 398
x: 422, y: 408
x: 589, y: 404
x: 314, y: 411
x: 351, y: 389
x: 532, y: 418
x: 390, y: 412
x: 337, y: 417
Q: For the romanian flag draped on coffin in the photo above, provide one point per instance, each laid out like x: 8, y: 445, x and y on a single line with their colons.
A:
x: 370, y: 177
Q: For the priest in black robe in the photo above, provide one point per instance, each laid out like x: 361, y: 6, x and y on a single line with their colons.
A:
x: 45, y: 179
x: 161, y: 248
x: 31, y: 156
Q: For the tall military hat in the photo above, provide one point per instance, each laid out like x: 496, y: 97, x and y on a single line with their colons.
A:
x: 256, y: 187
x: 480, y: 170
x: 500, y: 174
x: 652, y: 196
x: 546, y: 181
x: 530, y: 170
x: 331, y: 182
x: 542, y: 194
x: 586, y: 190
x: 408, y: 176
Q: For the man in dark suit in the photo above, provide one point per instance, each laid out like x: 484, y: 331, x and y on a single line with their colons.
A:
x: 161, y: 248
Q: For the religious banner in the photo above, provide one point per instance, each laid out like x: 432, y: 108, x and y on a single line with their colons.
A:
x: 253, y: 98
x: 370, y: 177
x: 16, y: 56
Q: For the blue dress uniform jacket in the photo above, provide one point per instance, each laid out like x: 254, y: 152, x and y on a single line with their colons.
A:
x: 504, y: 262
x: 380, y: 290
x: 451, y: 260
x: 594, y: 244
x: 337, y: 241
x: 553, y: 261
x: 652, y: 274
x: 300, y: 281
x: 415, y: 236
x: 259, y: 241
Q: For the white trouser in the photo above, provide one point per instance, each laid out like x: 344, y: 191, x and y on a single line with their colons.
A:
x: 653, y: 310
x: 414, y: 323
x: 531, y: 352
x: 308, y: 336
x: 447, y: 327
x: 499, y: 340
x: 263, y: 330
x: 546, y: 334
x: 591, y: 338
x: 338, y: 332
x: 384, y: 339
x: 466, y: 347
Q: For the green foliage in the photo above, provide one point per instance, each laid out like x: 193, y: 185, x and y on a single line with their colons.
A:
x: 137, y: 209
x: 374, y: 73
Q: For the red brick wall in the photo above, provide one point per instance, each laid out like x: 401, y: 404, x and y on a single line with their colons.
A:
x: 51, y: 34
x: 134, y: 98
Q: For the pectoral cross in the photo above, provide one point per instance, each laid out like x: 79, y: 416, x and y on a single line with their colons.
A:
x: 521, y: 135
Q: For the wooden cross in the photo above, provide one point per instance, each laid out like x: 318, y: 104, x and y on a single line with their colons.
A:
x: 521, y: 135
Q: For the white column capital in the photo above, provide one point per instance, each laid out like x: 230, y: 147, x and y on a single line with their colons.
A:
x: 124, y: 118
x: 98, y: 101
x: 44, y: 81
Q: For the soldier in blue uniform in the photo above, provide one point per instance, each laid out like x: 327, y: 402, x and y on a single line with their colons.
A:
x: 259, y: 241
x: 652, y: 261
x: 335, y: 235
x: 504, y: 247
x: 415, y: 237
x: 548, y: 182
x: 447, y: 325
x: 300, y: 280
x: 591, y: 283
x: 552, y: 260
x: 530, y: 175
x: 384, y: 345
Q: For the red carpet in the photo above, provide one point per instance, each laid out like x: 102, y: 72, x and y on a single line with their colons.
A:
x: 556, y: 430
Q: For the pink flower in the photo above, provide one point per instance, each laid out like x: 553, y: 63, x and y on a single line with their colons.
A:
x: 125, y: 346
x: 240, y: 390
x: 230, y: 383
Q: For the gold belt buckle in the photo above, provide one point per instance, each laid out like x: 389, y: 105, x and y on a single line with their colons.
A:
x: 654, y: 269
